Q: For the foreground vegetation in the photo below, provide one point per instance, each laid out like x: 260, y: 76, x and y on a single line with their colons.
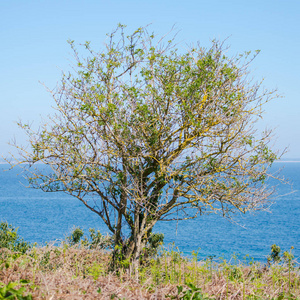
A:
x: 80, y: 268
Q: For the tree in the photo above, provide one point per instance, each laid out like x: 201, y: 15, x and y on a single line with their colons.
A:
x: 144, y: 132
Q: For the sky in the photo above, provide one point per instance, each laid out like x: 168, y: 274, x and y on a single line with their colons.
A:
x: 34, y: 50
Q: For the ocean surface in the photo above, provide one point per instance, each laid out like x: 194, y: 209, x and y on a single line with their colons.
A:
x: 43, y: 217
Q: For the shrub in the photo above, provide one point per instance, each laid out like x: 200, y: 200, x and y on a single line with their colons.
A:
x: 10, y: 239
x: 75, y: 236
x: 95, y: 240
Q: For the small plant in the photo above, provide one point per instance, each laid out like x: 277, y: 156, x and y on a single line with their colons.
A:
x: 75, y: 236
x: 193, y: 293
x: 274, y: 257
x: 10, y: 239
x: 9, y: 292
x: 118, y: 260
x: 288, y: 257
x: 235, y: 273
x: 45, y: 260
x: 95, y: 240
x: 98, y: 241
x: 96, y: 270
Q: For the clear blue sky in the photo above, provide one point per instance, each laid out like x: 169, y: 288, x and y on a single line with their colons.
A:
x: 34, y: 48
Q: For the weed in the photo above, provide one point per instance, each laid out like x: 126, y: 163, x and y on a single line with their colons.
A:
x: 8, y: 291
x: 96, y: 270
x: 193, y: 293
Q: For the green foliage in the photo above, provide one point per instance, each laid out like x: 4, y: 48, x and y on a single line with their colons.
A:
x: 96, y: 270
x: 144, y: 130
x: 282, y: 296
x: 10, y: 239
x: 288, y: 256
x: 9, y: 292
x: 75, y: 236
x: 154, y: 242
x: 95, y: 240
x: 192, y: 293
x: 275, y: 257
x: 118, y: 259
x: 275, y: 254
x: 45, y: 261
x: 234, y: 273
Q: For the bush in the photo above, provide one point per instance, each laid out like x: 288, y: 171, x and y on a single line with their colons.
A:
x: 95, y: 240
x: 275, y: 257
x: 10, y: 239
x: 75, y: 236
x: 155, y: 240
x: 98, y: 241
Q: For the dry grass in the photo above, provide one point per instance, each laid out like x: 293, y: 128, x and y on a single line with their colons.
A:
x: 70, y: 273
x: 77, y: 273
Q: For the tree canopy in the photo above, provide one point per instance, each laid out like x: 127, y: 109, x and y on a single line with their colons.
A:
x: 145, y: 131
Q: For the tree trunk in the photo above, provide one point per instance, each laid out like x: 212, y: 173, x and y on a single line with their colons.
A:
x: 136, y: 256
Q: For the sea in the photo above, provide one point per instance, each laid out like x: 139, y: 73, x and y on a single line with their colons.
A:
x: 49, y: 217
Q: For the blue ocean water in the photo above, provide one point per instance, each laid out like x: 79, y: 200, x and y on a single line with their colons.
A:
x: 45, y: 217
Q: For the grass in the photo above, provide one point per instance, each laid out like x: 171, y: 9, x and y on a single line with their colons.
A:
x: 75, y: 272
x: 80, y: 269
